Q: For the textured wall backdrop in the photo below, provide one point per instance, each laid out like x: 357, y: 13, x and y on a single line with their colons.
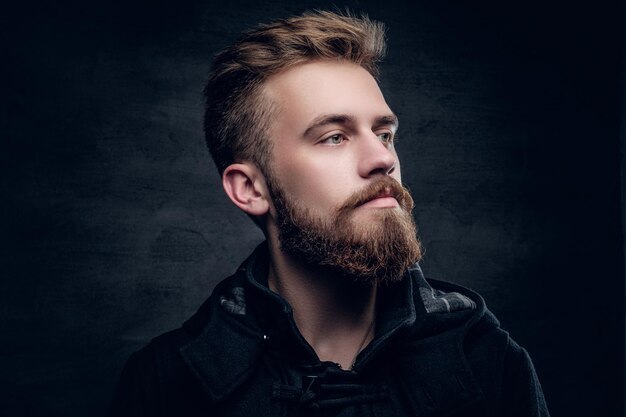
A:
x: 114, y: 227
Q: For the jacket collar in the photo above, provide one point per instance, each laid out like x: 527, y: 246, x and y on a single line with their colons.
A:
x: 224, y: 352
x: 226, y: 342
x: 395, y: 310
x: 243, y: 317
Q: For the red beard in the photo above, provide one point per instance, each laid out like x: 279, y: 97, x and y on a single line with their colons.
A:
x: 375, y: 252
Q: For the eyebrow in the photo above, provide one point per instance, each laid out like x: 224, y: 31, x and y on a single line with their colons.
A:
x: 328, y: 119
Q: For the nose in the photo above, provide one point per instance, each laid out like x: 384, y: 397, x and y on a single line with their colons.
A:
x: 376, y: 157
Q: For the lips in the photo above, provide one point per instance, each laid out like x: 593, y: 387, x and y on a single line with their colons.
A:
x: 382, y: 200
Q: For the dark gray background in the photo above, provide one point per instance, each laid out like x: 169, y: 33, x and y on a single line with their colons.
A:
x: 114, y: 227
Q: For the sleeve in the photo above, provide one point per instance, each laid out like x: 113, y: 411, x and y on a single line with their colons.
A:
x: 135, y: 394
x: 522, y: 395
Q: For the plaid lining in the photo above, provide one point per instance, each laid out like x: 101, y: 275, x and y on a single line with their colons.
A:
x: 437, y: 301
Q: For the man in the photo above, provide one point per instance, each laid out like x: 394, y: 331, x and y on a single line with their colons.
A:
x: 331, y: 316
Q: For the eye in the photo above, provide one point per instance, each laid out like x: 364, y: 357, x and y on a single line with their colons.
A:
x: 385, y: 137
x: 334, y: 139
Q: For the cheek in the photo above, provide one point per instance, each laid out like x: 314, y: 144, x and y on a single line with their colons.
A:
x: 316, y: 183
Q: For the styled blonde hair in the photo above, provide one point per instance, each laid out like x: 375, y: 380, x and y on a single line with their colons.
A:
x: 237, y: 114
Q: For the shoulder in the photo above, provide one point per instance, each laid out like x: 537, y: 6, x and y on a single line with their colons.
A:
x: 157, y: 376
x: 163, y: 351
x: 501, y: 367
x: 487, y: 346
x: 151, y: 372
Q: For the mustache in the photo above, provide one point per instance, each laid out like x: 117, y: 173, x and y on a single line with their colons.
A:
x: 385, y: 185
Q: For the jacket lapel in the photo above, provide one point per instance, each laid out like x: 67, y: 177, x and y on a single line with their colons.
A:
x: 224, y: 354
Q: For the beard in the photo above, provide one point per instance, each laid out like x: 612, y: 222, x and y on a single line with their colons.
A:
x: 373, y: 252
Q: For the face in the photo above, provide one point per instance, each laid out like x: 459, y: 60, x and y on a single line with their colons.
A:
x: 335, y: 175
x: 332, y: 134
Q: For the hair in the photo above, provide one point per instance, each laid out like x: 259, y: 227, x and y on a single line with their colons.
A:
x: 237, y: 113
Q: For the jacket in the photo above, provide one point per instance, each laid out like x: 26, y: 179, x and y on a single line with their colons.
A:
x: 437, y: 351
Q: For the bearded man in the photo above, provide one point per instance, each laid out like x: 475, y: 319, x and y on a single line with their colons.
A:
x: 331, y: 316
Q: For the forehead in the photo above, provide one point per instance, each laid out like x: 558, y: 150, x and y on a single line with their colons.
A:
x: 305, y: 92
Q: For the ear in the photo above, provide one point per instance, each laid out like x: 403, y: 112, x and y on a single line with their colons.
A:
x: 245, y: 186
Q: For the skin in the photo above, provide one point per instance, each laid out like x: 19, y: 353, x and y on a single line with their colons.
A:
x: 333, y: 135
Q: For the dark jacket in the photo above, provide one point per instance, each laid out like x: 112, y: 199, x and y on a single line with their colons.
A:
x: 437, y: 351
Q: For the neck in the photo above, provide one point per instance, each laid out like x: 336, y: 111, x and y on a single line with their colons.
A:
x: 334, y: 314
